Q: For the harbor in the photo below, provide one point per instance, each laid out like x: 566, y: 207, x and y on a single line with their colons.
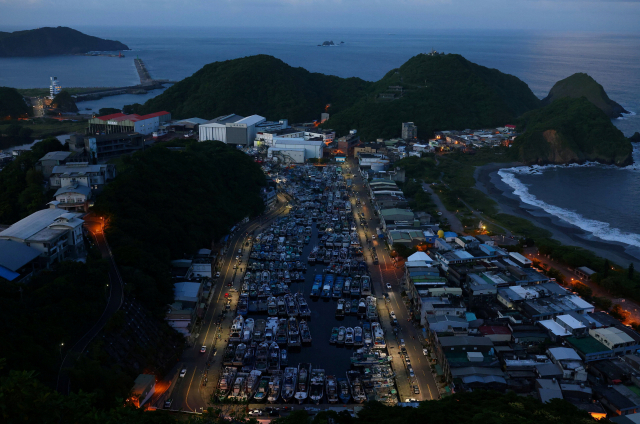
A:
x: 306, y: 322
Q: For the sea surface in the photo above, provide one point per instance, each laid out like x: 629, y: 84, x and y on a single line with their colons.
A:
x: 601, y: 200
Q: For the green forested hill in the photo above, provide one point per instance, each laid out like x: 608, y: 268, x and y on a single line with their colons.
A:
x: 442, y: 92
x: 48, y: 41
x: 12, y: 105
x: 570, y: 130
x: 438, y: 92
x: 167, y: 203
x: 582, y: 85
x: 260, y: 85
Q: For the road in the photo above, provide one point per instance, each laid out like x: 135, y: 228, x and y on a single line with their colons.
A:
x: 116, y: 296
x: 188, y: 393
x: 454, y: 222
x: 386, y: 272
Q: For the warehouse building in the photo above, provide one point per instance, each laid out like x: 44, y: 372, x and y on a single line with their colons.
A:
x: 312, y: 148
x: 232, y: 129
x: 118, y: 123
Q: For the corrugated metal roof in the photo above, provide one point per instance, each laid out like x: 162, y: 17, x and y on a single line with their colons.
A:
x: 32, y: 224
x: 14, y: 255
x: 56, y: 156
x: 252, y: 120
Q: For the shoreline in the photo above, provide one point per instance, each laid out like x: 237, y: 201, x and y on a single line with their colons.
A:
x: 489, y: 182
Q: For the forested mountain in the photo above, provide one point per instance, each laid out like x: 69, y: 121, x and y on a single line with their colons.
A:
x: 260, y: 85
x: 49, y: 41
x: 436, y: 92
x: 582, y: 85
x: 440, y: 92
x: 570, y: 130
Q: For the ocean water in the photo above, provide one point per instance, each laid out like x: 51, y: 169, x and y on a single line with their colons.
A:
x: 538, y: 58
x: 601, y: 200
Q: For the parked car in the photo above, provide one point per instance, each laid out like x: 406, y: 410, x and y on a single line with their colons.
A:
x: 402, y: 343
x: 425, y: 351
x: 393, y: 314
x: 183, y: 372
x: 416, y: 390
x: 218, y: 274
x: 256, y: 413
x: 388, y: 286
x: 203, y: 349
x: 239, y: 251
x: 167, y: 403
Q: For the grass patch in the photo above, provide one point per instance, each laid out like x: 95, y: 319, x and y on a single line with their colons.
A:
x: 43, y: 128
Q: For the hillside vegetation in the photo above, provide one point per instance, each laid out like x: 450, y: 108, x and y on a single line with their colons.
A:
x: 443, y: 92
x: 582, y: 85
x: 49, y: 41
x: 438, y: 92
x: 12, y: 104
x: 168, y: 203
x: 570, y: 131
x: 260, y: 85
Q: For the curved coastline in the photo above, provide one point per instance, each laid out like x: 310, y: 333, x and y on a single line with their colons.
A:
x: 490, y: 182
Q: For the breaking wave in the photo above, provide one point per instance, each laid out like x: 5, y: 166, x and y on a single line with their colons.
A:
x: 598, y: 229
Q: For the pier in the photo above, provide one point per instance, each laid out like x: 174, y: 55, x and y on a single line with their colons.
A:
x: 146, y: 83
x: 145, y: 78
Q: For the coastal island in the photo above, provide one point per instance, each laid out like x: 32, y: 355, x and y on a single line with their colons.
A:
x: 49, y: 41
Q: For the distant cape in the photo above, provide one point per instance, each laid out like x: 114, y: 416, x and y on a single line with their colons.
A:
x: 48, y: 41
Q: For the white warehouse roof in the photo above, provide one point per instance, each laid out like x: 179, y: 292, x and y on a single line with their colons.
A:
x: 251, y: 120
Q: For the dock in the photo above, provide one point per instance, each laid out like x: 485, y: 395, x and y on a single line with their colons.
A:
x: 145, y: 78
x: 146, y: 83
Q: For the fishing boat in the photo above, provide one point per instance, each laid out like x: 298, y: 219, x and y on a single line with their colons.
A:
x: 355, y: 383
x: 346, y: 289
x: 316, y: 389
x: 332, y: 389
x: 289, y: 383
x: 294, y: 333
x: 226, y: 382
x: 368, y: 338
x: 263, y: 389
x: 284, y: 357
x: 275, y: 386
x: 355, y: 287
x: 303, y: 306
x: 239, y: 356
x: 334, y: 335
x: 259, y: 330
x: 342, y: 331
x: 272, y: 307
x: 354, y: 307
x: 305, y: 334
x: 340, y: 308
x: 372, y: 312
x: 292, y: 306
x: 357, y: 336
x: 281, y: 333
x: 238, y: 386
x: 282, y: 307
x: 313, y: 255
x: 348, y: 338
x: 378, y: 336
x: 273, y: 362
x: 237, y: 328
x: 302, y: 390
x: 243, y: 304
x: 249, y: 361
x: 262, y: 354
x: 344, y: 393
x: 362, y: 307
x: 366, y: 285
x: 251, y: 384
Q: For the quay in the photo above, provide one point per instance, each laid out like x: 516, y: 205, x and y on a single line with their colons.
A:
x: 146, y: 83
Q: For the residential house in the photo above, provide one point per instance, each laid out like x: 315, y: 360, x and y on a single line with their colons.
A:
x: 18, y: 261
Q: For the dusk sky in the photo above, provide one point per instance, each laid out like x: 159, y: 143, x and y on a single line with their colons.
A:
x: 557, y: 15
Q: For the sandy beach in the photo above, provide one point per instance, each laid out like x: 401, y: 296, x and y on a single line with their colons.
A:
x: 490, y: 183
